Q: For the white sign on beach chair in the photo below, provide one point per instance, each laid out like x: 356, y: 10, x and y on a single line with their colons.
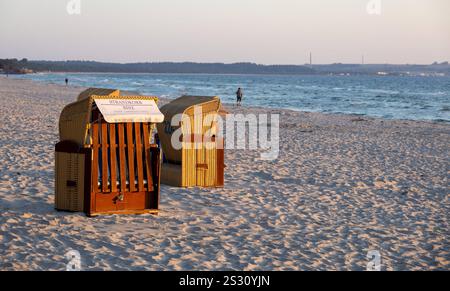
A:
x: 128, y: 110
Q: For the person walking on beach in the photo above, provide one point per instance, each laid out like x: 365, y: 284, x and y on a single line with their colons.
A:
x: 67, y: 81
x: 239, y: 95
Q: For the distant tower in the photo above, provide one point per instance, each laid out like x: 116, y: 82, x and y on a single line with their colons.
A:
x: 310, y: 59
x: 362, y: 60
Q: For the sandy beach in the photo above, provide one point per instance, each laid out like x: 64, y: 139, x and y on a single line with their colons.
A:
x: 342, y: 186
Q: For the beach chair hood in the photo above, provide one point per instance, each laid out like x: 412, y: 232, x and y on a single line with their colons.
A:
x: 74, y: 122
x: 183, y: 105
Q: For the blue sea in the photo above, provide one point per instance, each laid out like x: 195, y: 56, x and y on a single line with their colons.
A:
x: 391, y: 97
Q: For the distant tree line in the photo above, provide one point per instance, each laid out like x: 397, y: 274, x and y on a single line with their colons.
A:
x: 167, y: 67
x: 25, y: 66
x: 14, y: 66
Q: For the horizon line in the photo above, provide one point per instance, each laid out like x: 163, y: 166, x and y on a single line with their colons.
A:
x: 236, y: 62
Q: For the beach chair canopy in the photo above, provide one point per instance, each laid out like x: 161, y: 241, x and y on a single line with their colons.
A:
x: 75, y: 119
x: 184, y: 105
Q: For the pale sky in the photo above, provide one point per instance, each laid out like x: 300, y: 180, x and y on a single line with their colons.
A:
x: 261, y: 31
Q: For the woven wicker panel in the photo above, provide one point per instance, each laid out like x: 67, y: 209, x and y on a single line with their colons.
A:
x: 73, y: 121
x: 69, y: 168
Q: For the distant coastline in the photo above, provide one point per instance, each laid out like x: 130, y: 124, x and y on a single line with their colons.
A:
x: 24, y: 66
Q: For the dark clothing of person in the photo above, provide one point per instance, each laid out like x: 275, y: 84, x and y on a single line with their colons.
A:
x: 239, y: 95
x: 67, y: 81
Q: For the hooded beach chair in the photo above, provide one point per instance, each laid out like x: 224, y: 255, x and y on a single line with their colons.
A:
x: 108, y: 159
x: 199, y: 161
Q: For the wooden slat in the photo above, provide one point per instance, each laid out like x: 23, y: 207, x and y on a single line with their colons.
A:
x: 113, y: 156
x: 200, y: 160
x: 122, y: 160
x: 148, y: 164
x: 220, y: 162
x: 130, y: 147
x: 89, y: 198
x: 95, y: 157
x: 140, y: 169
x: 104, y: 134
x: 154, y: 196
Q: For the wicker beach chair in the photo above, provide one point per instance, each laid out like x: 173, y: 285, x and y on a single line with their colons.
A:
x: 200, y: 160
x: 108, y: 162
